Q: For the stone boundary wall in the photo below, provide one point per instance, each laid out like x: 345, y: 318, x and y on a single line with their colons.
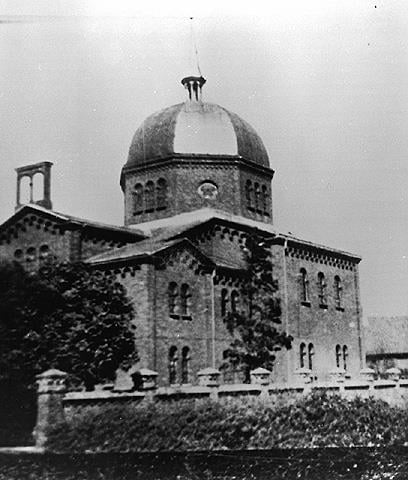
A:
x: 56, y: 404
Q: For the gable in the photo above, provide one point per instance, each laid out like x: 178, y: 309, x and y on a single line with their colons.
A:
x: 158, y: 252
x: 29, y: 238
x: 33, y: 233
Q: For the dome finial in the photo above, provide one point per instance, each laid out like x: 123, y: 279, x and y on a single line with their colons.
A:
x: 193, y: 85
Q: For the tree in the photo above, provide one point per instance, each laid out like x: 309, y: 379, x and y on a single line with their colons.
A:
x: 255, y: 326
x: 66, y: 316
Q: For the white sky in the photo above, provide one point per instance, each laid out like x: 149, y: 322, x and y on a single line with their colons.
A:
x: 323, y: 82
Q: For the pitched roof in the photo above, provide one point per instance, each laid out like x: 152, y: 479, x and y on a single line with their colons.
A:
x: 178, y: 225
x: 147, y: 248
x: 386, y: 335
x: 71, y: 221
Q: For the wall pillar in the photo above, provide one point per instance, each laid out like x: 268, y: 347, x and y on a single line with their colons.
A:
x: 50, y: 410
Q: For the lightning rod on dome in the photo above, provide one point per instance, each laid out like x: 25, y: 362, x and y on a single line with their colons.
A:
x: 194, y: 83
x: 194, y: 45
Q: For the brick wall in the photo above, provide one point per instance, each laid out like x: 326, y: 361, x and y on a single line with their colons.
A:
x: 33, y: 239
x: 183, y: 184
x: 323, y: 326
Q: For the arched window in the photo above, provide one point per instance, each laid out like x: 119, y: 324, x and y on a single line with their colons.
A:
x: 302, y: 355
x: 234, y: 301
x: 224, y: 302
x: 18, y: 254
x: 161, y: 194
x: 337, y: 291
x: 248, y: 195
x: 265, y: 200
x: 345, y: 357
x: 257, y: 192
x: 185, y: 359
x: 185, y: 300
x: 172, y: 298
x: 310, y: 355
x: 338, y: 356
x: 321, y: 285
x: 138, y: 199
x: 149, y: 197
x: 44, y: 252
x: 31, y: 254
x: 304, y: 286
x: 173, y: 365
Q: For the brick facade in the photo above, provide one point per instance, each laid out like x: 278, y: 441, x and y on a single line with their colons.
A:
x: 183, y: 182
x: 188, y: 218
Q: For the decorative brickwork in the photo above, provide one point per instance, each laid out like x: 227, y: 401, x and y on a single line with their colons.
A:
x: 197, y: 184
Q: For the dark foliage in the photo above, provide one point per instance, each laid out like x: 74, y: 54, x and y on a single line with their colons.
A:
x: 319, y: 420
x: 17, y: 414
x: 333, y: 464
x: 256, y: 326
x: 67, y: 317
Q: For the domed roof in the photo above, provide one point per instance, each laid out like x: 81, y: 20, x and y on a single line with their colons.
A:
x: 195, y: 127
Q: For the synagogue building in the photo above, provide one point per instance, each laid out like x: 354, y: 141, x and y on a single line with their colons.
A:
x: 197, y: 182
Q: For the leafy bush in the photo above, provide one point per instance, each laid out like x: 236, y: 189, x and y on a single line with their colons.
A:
x: 319, y: 420
x: 65, y: 316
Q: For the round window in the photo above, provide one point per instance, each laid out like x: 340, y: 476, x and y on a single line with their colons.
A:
x: 208, y: 190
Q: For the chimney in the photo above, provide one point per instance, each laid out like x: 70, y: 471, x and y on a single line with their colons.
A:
x: 30, y: 171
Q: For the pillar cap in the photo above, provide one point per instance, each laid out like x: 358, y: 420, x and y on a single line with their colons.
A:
x: 146, y: 372
x: 209, y: 371
x: 52, y: 373
x: 261, y: 371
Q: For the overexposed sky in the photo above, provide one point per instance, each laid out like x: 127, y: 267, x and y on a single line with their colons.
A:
x: 323, y: 82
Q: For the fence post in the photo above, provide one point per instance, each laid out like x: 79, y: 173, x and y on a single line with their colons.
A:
x: 50, y: 392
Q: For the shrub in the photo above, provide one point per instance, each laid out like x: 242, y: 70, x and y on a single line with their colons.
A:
x: 319, y: 420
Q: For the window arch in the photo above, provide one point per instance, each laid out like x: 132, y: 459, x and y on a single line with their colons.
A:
x: 264, y: 198
x: 31, y: 254
x: 18, y: 254
x: 173, y: 365
x: 44, y: 252
x: 337, y: 291
x: 161, y: 190
x: 310, y: 355
x: 304, y: 286
x: 224, y: 302
x: 149, y: 196
x: 345, y: 357
x: 257, y: 192
x: 234, y: 301
x: 185, y: 360
x: 185, y: 299
x: 302, y: 355
x: 138, y: 199
x: 321, y: 284
x: 249, y: 194
x: 338, y: 356
x: 172, y: 298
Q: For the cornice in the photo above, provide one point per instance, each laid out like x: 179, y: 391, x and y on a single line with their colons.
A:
x: 202, y: 160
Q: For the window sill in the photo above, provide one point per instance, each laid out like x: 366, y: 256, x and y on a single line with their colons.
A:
x: 186, y: 317
x: 305, y: 304
x: 340, y: 309
x: 173, y: 315
x: 323, y: 306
